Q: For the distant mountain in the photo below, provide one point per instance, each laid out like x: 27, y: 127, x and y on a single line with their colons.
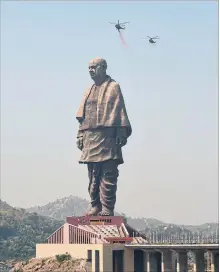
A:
x: 73, y: 205
x: 145, y: 223
x: 211, y: 228
x: 4, y: 206
x: 21, y: 230
x: 61, y: 208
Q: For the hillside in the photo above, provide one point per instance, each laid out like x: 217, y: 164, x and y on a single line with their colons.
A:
x: 21, y: 230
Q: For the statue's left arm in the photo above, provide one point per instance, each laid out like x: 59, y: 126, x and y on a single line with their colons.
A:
x: 124, y: 131
x: 121, y: 136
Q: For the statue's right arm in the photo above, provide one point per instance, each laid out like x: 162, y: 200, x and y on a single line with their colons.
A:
x: 79, y: 134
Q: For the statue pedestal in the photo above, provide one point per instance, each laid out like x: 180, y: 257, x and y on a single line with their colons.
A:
x: 96, y: 220
x: 106, y: 229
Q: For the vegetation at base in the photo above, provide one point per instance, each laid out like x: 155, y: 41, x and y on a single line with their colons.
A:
x: 63, y: 257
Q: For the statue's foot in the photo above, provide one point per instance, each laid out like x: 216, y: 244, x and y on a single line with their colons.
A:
x: 106, y: 213
x: 94, y: 211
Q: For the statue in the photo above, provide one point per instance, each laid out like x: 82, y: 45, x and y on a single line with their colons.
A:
x: 103, y: 130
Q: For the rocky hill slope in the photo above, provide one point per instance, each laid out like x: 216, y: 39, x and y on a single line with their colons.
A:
x: 59, y: 263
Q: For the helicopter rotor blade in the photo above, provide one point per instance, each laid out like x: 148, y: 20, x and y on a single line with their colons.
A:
x: 124, y: 23
x: 113, y: 23
x: 156, y: 37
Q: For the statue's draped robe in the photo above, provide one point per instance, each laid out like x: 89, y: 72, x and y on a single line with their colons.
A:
x: 102, y: 116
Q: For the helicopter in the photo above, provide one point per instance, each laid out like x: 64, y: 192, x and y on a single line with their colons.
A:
x: 119, y: 26
x: 151, y: 39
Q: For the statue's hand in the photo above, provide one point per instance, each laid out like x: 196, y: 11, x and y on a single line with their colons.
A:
x: 121, y: 140
x: 79, y: 143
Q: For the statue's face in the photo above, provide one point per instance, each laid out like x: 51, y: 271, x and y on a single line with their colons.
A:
x: 96, y: 70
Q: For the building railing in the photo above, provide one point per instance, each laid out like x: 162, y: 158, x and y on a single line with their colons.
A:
x: 178, y: 238
x: 56, y: 237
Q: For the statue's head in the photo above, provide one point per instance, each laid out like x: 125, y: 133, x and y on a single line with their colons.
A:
x: 97, y: 69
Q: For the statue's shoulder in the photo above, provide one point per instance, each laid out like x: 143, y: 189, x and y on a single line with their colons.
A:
x: 87, y: 90
x: 114, y: 85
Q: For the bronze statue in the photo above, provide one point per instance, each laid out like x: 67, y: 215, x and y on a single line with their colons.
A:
x: 103, y: 131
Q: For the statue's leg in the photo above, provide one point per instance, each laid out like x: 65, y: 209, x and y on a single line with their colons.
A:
x: 108, y: 187
x: 94, y: 170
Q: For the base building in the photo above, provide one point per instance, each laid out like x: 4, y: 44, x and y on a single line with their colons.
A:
x: 112, y: 245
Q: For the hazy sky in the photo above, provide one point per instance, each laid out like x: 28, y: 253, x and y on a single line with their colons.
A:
x: 170, y: 89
